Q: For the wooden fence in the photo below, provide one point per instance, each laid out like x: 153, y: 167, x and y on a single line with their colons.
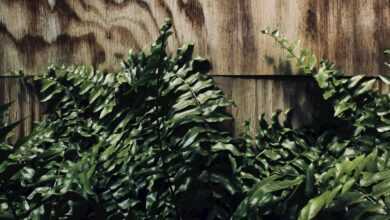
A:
x: 25, y: 104
x: 250, y: 68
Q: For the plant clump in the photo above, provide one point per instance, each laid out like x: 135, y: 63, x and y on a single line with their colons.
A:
x: 148, y: 142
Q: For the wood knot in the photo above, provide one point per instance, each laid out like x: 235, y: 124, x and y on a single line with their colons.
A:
x: 311, y: 23
x: 194, y: 11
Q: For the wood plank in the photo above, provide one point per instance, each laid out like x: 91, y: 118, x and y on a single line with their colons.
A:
x: 100, y: 33
x: 297, y: 95
x: 25, y: 105
x: 244, y: 97
x: 352, y: 33
x: 266, y: 95
x: 226, y: 85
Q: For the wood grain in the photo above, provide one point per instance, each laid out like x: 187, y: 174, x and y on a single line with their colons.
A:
x: 25, y: 106
x: 267, y: 95
x: 35, y: 33
x: 244, y: 97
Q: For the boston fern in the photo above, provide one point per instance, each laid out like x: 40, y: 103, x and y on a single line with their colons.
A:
x: 341, y: 172
x: 148, y: 142
x: 143, y: 143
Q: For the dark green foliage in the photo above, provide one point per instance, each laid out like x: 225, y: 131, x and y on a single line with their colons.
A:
x: 147, y: 143
x: 138, y: 144
x: 338, y: 173
x: 7, y: 207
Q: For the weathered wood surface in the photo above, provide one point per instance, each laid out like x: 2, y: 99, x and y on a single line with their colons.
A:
x: 25, y: 105
x: 256, y: 96
x: 35, y: 33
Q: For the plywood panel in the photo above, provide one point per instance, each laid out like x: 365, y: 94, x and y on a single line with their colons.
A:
x: 35, y: 33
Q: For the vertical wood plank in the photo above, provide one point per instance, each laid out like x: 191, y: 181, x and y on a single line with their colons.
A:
x: 244, y: 96
x: 25, y: 105
x: 226, y: 85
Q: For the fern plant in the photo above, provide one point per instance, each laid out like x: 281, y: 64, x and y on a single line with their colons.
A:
x: 7, y: 209
x: 147, y: 142
x: 143, y: 143
x: 338, y: 173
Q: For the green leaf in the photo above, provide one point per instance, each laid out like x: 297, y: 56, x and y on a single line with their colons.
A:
x: 383, y: 129
x: 354, y: 81
x: 365, y: 87
x: 385, y: 79
x: 5, y: 131
x: 315, y: 205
